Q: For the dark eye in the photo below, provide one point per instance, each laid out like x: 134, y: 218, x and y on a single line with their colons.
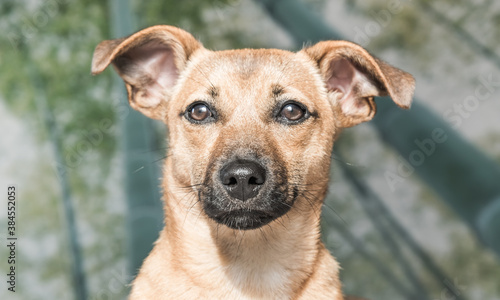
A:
x: 293, y: 112
x: 199, y: 112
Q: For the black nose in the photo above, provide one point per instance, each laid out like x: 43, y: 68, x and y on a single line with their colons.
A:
x: 242, y: 179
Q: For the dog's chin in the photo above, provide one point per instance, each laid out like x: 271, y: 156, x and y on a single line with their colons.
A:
x: 244, y: 219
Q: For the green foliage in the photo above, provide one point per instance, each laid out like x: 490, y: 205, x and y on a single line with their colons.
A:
x: 53, y: 60
x: 46, y: 52
x: 217, y: 23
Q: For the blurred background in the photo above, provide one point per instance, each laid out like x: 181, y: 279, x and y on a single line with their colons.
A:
x: 413, y: 209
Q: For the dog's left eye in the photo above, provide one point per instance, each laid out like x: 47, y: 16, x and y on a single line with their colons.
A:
x: 199, y: 113
x: 293, y: 113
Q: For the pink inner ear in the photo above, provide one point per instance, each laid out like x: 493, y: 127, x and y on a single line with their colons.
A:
x: 157, y: 61
x: 151, y: 72
x: 342, y: 76
x: 354, y: 86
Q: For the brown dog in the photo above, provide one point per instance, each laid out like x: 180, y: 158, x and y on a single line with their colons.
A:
x: 251, y: 134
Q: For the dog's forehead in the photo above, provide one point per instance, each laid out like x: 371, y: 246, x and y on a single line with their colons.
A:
x: 254, y: 72
x: 247, y: 63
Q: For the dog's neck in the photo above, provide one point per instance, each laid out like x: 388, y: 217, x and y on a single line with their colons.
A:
x: 264, y: 260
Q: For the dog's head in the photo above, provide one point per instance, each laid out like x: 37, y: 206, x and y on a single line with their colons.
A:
x: 250, y: 131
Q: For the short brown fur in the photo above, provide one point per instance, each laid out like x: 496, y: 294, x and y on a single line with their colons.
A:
x: 197, y: 256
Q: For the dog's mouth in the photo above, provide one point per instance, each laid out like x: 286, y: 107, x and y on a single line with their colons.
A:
x: 244, y: 219
x: 251, y: 214
x: 246, y: 193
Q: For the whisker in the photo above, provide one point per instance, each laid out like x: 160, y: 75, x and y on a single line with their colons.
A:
x: 190, y: 186
x: 241, y: 240
x: 205, y: 75
x: 271, y: 228
x: 337, y: 158
x: 198, y: 217
x: 157, y: 160
x: 280, y: 221
x: 188, y: 211
x: 152, y: 150
x: 137, y: 170
x: 263, y: 234
x: 149, y: 163
x: 217, y: 231
x: 335, y: 212
x: 311, y: 203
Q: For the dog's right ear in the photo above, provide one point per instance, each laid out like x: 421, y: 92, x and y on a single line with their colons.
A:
x: 150, y: 62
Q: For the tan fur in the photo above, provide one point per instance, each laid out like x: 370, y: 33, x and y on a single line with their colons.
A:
x: 196, y: 257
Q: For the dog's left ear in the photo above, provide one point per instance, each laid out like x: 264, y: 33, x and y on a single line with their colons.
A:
x: 353, y: 77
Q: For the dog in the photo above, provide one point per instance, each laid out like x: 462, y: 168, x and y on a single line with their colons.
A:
x: 250, y: 136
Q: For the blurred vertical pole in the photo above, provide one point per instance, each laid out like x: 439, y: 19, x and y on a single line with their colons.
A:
x: 466, y: 179
x: 77, y: 271
x: 379, y: 213
x: 145, y: 214
x: 331, y: 220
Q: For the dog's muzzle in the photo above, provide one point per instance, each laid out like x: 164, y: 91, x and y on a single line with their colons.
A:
x: 246, y: 193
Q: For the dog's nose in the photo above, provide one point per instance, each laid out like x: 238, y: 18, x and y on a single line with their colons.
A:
x: 243, y: 179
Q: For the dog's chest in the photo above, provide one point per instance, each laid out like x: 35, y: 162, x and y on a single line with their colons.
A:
x: 265, y: 279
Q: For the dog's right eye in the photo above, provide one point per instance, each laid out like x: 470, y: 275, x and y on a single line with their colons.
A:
x: 199, y: 113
